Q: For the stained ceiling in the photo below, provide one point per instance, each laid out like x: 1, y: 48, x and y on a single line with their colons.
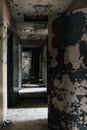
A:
x: 31, y: 16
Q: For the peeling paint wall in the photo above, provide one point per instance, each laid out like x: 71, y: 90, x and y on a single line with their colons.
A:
x: 67, y: 71
x: 4, y: 21
x: 19, y: 8
x: 77, y: 4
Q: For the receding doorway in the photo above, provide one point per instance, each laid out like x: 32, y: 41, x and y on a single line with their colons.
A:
x: 34, y: 67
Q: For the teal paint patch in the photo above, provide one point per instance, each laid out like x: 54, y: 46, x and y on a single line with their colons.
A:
x: 81, y: 127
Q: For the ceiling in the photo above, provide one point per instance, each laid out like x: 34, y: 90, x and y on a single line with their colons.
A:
x: 31, y: 16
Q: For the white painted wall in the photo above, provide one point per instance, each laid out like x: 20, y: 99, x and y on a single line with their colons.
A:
x: 4, y: 20
x: 20, y: 64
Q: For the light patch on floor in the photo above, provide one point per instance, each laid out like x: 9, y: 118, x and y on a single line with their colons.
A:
x: 33, y: 85
x: 26, y: 114
x: 33, y: 90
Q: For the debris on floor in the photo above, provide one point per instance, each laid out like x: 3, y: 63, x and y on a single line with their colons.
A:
x: 6, y: 124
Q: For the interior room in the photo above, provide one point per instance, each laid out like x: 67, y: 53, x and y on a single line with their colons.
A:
x: 43, y: 64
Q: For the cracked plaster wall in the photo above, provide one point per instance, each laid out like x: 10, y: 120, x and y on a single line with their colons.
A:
x: 67, y: 71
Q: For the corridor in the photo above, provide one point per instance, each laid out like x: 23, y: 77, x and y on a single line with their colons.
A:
x: 43, y: 64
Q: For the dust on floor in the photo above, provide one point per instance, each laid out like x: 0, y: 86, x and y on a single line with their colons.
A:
x: 26, y: 119
x: 27, y: 125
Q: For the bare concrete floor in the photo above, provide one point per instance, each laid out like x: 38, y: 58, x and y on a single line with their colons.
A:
x: 28, y: 114
x: 28, y: 125
x: 27, y: 119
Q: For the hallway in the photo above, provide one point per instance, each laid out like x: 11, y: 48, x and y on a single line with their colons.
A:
x: 43, y: 64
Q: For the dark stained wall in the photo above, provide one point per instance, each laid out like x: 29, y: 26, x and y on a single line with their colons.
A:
x: 15, y: 68
x: 12, y: 67
x: 67, y: 71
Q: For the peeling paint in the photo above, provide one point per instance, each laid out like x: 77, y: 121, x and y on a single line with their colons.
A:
x: 67, y: 79
x: 72, y: 55
x: 43, y: 7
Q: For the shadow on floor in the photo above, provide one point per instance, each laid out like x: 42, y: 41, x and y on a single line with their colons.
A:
x: 31, y: 103
x: 28, y: 125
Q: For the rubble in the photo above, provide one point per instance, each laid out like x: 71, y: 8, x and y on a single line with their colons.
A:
x: 5, y: 124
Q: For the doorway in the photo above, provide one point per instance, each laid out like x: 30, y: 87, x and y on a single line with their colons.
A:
x: 32, y: 96
x: 34, y: 67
